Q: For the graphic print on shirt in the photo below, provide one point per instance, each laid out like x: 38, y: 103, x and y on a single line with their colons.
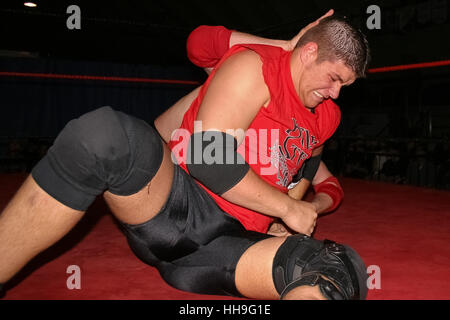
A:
x: 297, y: 141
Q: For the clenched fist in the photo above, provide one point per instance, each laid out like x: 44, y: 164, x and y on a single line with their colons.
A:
x: 302, y: 217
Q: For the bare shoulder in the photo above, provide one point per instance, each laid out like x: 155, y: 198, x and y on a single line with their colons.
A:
x: 243, y: 72
x: 235, y: 94
x: 246, y: 55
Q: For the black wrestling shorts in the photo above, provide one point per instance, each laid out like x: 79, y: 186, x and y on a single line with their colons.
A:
x: 192, y: 242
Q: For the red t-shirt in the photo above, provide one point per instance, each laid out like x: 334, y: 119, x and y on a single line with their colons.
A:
x: 280, y: 138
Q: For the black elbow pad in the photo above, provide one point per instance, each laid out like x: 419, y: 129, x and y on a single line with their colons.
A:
x: 213, y: 160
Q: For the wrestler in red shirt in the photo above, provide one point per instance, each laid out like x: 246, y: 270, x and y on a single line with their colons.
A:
x: 282, y: 135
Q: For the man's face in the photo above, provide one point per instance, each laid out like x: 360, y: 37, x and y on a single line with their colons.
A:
x: 323, y: 80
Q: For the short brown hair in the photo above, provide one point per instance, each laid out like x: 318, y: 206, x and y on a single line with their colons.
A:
x: 338, y: 40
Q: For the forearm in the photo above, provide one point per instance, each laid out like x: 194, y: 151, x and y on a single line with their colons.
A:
x: 245, y: 38
x: 322, y: 202
x: 207, y: 44
x: 300, y: 189
x: 255, y: 194
x: 329, y: 193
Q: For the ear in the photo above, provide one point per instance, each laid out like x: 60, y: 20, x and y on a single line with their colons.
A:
x: 308, y: 53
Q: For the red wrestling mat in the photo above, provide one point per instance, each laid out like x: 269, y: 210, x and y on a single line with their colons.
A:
x: 403, y: 230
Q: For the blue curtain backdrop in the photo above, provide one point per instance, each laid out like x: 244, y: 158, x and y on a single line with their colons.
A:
x: 36, y: 107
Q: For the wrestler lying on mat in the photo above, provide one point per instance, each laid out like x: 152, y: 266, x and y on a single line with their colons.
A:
x: 260, y: 114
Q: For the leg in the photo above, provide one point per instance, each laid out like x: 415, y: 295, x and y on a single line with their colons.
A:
x: 254, y: 270
x: 254, y: 274
x: 145, y: 204
x: 300, y: 267
x: 102, y: 150
x: 31, y: 222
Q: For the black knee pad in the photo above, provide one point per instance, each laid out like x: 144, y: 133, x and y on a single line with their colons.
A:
x: 102, y: 150
x: 337, y: 269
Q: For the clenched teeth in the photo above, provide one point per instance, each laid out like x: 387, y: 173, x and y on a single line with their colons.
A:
x: 318, y: 94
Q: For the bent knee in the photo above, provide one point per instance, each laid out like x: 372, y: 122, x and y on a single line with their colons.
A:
x: 98, y: 133
x: 125, y: 151
x: 101, y: 150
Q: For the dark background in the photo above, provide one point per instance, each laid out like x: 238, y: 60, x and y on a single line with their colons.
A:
x: 395, y: 125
